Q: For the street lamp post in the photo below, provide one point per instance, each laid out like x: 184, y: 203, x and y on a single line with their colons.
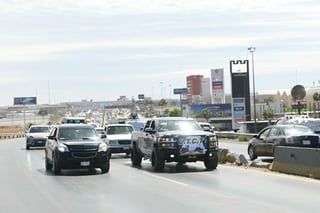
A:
x: 251, y: 50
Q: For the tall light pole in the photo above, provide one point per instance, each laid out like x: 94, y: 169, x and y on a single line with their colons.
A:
x: 251, y: 50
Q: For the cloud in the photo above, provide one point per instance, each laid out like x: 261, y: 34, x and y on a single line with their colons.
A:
x: 38, y: 52
x: 109, y: 7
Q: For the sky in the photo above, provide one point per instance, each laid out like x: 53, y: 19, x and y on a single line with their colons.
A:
x: 71, y: 50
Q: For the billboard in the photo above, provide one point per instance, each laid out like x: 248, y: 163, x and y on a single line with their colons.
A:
x: 240, y: 88
x: 24, y: 100
x: 217, y: 79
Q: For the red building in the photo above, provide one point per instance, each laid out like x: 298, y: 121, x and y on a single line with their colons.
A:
x: 194, y: 87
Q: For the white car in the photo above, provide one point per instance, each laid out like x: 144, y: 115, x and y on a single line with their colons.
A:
x: 119, y: 137
x: 37, y: 135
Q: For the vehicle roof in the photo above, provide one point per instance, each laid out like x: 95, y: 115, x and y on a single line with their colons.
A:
x: 204, y: 123
x: 291, y: 126
x: 75, y: 125
x: 118, y: 124
x: 173, y: 118
x: 36, y: 125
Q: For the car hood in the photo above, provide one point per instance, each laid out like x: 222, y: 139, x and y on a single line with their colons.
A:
x: 81, y: 142
x: 120, y: 136
x: 38, y: 134
x: 186, y: 133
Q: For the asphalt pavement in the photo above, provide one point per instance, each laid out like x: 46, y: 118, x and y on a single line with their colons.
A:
x: 27, y: 187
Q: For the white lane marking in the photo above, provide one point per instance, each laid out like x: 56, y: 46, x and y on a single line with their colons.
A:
x: 165, y: 179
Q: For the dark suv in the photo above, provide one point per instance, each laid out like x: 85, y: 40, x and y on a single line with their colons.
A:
x: 76, y: 146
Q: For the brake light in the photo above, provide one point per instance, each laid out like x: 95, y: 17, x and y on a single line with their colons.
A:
x: 289, y: 140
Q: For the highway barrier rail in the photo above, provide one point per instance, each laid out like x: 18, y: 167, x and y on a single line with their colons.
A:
x: 4, y: 136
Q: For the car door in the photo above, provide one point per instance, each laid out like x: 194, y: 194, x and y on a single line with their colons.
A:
x: 260, y: 141
x: 51, y: 143
x: 272, y: 140
x: 148, y: 139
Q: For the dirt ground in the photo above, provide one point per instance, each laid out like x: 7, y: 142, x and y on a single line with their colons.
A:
x: 10, y: 129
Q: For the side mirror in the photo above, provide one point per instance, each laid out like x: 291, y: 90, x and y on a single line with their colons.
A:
x: 205, y: 128
x: 150, y: 130
x: 52, y: 138
x: 103, y: 136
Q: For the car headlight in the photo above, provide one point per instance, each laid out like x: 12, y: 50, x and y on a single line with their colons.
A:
x: 103, y: 147
x: 29, y: 136
x: 113, y: 142
x: 63, y: 148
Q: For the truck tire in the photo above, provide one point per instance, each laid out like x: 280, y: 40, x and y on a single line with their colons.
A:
x: 157, y: 160
x: 136, y: 157
x: 105, y: 168
x: 56, y: 165
x: 211, y: 163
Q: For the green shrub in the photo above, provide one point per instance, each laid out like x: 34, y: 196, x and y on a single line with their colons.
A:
x: 244, y: 138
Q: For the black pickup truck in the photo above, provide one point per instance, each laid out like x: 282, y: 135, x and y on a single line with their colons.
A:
x: 174, y: 139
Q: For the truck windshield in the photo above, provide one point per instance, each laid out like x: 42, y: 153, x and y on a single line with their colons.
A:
x: 181, y: 125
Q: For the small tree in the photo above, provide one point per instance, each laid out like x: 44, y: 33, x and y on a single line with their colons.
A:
x: 43, y: 112
x: 268, y: 114
x: 206, y: 114
x: 316, y: 96
x: 176, y: 112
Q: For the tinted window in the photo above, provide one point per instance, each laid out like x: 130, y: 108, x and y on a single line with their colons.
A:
x: 173, y: 125
x: 39, y: 129
x: 112, y: 130
x: 298, y: 131
x: 76, y: 133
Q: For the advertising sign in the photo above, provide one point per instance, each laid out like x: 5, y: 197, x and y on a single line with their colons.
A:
x: 180, y: 91
x: 238, y: 112
x: 217, y: 78
x: 24, y: 100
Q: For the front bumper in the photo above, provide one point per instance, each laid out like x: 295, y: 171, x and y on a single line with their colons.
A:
x: 173, y: 155
x: 36, y: 142
x: 68, y: 161
x: 120, y: 148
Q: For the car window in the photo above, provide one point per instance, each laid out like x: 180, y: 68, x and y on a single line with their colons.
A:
x: 264, y: 134
x: 298, y: 130
x: 76, y: 133
x: 112, y: 130
x: 275, y: 132
x: 39, y: 129
x: 174, y: 125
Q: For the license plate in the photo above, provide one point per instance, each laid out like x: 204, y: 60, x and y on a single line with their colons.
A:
x: 85, y: 163
x: 306, y: 142
x: 40, y: 141
x: 126, y: 148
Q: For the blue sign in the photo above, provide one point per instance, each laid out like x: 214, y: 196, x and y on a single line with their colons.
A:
x: 24, y: 100
x: 180, y: 91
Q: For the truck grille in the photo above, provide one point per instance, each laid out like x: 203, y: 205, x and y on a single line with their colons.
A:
x: 83, y: 151
x: 124, y: 142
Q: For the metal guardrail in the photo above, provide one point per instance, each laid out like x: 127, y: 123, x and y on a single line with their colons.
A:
x: 4, y: 136
x: 232, y: 135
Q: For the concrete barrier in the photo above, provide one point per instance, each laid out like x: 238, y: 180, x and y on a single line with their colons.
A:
x: 297, y: 160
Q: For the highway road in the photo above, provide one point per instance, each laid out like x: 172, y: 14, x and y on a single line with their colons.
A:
x: 27, y: 187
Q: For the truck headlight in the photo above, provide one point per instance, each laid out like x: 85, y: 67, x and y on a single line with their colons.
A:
x: 63, y: 148
x: 167, y: 139
x: 103, y: 147
x: 213, y: 141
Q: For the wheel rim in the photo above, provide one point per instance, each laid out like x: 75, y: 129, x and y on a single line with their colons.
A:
x: 251, y: 152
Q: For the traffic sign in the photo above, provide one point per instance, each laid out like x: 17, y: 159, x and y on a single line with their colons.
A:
x: 180, y: 91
